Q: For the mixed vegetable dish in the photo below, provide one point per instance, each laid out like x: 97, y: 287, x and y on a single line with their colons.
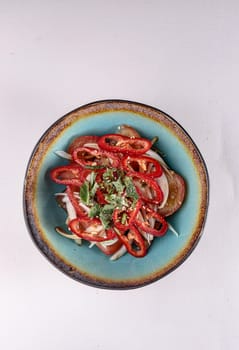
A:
x: 118, y: 192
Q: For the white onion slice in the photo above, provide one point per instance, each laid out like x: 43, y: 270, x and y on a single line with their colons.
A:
x: 69, y: 208
x: 91, y: 145
x: 118, y: 253
x: 156, y: 156
x: 71, y: 214
x: 109, y: 242
x: 63, y: 154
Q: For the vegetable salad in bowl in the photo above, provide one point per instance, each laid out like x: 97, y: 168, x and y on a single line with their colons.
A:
x: 118, y: 192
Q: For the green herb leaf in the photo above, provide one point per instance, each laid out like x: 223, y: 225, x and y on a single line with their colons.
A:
x: 106, y: 215
x: 94, y: 211
x: 116, y: 201
x: 119, y: 186
x: 108, y: 174
x: 108, y: 209
x: 85, y: 193
x: 130, y: 188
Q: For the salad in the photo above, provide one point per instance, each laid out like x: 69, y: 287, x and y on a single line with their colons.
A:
x: 118, y: 192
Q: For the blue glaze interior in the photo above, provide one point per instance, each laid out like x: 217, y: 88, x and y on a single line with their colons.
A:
x: 92, y: 261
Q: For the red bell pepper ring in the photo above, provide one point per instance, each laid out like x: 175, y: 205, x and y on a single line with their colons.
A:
x: 142, y: 164
x: 124, y: 218
x: 124, y: 144
x: 133, y: 241
x: 90, y: 230
x: 86, y: 156
x: 147, y: 188
x: 67, y: 175
x: 160, y: 226
x: 78, y: 208
x: 100, y: 197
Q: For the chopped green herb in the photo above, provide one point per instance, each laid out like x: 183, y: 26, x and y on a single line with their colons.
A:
x: 119, y: 186
x: 85, y: 193
x: 94, y: 211
x: 106, y: 215
x: 130, y: 188
x: 108, y: 209
x: 116, y: 201
x: 108, y: 174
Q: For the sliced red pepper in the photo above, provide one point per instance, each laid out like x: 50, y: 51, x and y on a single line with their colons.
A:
x: 67, y: 175
x: 147, y: 188
x: 160, y: 226
x: 124, y: 144
x: 100, y: 197
x: 110, y: 233
x: 86, y: 156
x: 142, y: 164
x: 90, y: 230
x: 124, y: 218
x: 78, y: 208
x: 133, y: 241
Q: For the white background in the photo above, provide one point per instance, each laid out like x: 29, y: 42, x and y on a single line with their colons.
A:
x: 179, y: 56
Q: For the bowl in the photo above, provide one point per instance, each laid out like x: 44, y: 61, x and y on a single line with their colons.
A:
x: 91, y: 266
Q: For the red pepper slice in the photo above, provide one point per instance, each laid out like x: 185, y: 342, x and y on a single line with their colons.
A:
x: 100, y: 197
x: 160, y: 226
x: 147, y: 188
x: 86, y: 156
x: 142, y: 164
x: 90, y: 230
x: 124, y: 218
x: 67, y: 175
x: 78, y: 208
x: 133, y: 241
x: 124, y: 144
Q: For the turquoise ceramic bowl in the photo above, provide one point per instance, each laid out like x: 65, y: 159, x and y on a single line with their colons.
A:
x: 90, y: 266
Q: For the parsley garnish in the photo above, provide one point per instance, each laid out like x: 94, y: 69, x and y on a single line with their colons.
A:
x: 85, y: 193
x: 119, y: 191
x: 130, y: 188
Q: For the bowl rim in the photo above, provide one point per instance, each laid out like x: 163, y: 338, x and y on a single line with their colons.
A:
x: 56, y: 260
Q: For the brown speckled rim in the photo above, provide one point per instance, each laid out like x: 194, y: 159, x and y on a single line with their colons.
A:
x: 53, y: 133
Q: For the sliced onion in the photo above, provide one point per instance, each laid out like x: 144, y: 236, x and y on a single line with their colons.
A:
x: 63, y: 154
x: 71, y: 215
x: 109, y: 242
x: 148, y: 236
x: 118, y: 253
x: 69, y: 208
x: 91, y: 145
x: 156, y: 156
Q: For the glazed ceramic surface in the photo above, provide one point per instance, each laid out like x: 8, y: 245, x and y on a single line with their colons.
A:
x: 91, y: 266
